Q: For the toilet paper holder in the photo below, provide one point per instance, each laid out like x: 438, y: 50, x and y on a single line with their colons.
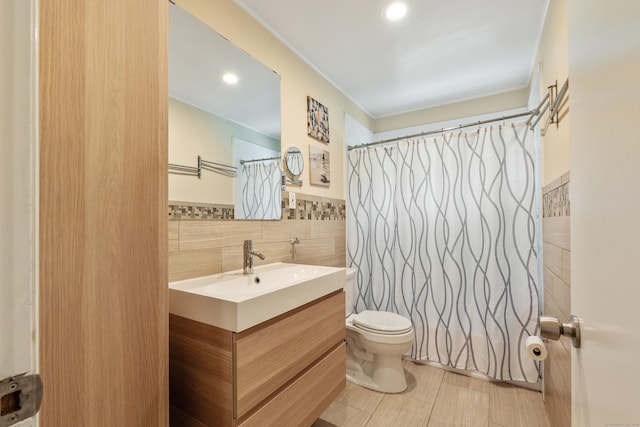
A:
x: 551, y: 328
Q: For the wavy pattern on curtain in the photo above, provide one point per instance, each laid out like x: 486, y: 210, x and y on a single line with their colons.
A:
x: 443, y: 231
x: 261, y: 185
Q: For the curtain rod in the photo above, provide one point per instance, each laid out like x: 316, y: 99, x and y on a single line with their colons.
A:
x: 242, y: 162
x: 548, y: 103
x: 431, y: 132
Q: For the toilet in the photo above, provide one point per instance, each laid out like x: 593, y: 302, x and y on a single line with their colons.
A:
x: 376, y: 341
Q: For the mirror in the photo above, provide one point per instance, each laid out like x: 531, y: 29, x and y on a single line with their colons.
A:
x: 233, y: 127
x: 294, y: 165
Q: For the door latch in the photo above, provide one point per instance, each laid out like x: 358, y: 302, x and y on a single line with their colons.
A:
x: 20, y: 398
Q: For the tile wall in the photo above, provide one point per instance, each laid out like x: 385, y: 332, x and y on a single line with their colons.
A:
x: 201, y: 244
x: 188, y: 210
x: 557, y: 297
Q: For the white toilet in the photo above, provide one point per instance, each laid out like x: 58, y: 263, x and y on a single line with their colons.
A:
x: 376, y: 341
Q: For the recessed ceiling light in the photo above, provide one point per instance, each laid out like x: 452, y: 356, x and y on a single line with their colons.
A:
x: 230, y: 78
x: 395, y: 10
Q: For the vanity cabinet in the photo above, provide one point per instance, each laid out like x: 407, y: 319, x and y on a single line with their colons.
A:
x: 285, y: 371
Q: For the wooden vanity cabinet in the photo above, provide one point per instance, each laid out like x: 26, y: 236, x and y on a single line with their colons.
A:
x: 283, y: 372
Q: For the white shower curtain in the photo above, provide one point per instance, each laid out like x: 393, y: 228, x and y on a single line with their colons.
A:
x: 443, y: 231
x: 260, y: 184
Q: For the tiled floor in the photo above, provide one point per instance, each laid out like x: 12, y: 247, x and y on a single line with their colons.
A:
x: 437, y: 398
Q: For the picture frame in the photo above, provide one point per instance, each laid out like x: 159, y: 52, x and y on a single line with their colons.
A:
x: 317, y: 120
x: 319, y: 166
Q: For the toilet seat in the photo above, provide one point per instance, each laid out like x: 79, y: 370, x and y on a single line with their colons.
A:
x: 382, y: 322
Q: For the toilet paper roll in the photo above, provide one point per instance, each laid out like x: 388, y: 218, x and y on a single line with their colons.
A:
x: 536, y: 348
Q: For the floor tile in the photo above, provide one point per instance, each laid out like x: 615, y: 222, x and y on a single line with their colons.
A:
x: 467, y: 381
x: 341, y: 415
x: 515, y: 406
x: 460, y: 407
x: 360, y: 398
x: 437, y: 398
x: 423, y: 381
x: 399, y: 410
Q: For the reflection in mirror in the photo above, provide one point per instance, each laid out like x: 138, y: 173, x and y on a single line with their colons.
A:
x: 258, y: 183
x: 229, y: 124
x: 294, y: 165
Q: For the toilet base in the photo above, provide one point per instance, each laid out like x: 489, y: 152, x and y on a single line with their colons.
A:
x: 388, y: 374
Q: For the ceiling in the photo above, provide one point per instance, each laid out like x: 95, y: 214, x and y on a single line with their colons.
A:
x: 443, y: 51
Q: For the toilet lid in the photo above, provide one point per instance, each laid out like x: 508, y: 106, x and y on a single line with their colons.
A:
x: 382, y: 322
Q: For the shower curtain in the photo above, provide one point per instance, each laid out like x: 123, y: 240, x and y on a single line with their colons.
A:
x: 260, y: 184
x: 443, y: 231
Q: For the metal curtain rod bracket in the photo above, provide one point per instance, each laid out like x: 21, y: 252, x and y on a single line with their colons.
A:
x: 184, y: 170
x: 551, y: 102
x: 539, y: 114
x: 220, y: 168
x: 554, y: 106
x: 536, y: 111
x: 202, y: 164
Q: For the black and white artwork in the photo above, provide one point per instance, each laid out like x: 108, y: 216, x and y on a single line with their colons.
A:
x: 319, y: 166
x: 317, y: 120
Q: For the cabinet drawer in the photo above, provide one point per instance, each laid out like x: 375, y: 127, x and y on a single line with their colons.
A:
x: 305, y: 399
x: 270, y: 355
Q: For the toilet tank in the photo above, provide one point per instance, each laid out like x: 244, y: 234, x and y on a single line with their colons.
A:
x: 349, y: 288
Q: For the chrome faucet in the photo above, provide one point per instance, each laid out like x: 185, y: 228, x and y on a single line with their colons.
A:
x: 247, y: 258
x: 295, y: 241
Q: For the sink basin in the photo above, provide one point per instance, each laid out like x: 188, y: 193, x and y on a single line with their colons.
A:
x: 237, y: 301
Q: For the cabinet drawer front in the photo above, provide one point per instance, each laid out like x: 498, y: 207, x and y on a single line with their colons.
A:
x: 269, y: 356
x: 306, y: 398
x: 200, y: 373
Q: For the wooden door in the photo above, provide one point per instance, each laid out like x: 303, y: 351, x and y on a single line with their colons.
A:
x: 103, y: 212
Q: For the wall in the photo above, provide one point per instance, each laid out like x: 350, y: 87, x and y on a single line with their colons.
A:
x: 199, y: 247
x: 298, y: 81
x: 194, y: 132
x: 553, y: 67
x: 456, y: 111
x: 18, y: 189
x: 103, y: 213
x: 557, y: 297
x: 552, y: 64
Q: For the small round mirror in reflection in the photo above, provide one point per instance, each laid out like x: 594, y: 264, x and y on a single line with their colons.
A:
x: 293, y: 163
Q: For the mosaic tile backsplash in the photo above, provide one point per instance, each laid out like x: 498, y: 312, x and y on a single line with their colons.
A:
x: 307, y: 208
x: 556, y: 202
x: 315, y: 209
x: 186, y: 210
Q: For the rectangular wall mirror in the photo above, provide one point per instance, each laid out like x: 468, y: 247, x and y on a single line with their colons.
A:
x: 227, y: 133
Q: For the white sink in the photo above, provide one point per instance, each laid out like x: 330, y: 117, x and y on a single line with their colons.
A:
x: 237, y: 301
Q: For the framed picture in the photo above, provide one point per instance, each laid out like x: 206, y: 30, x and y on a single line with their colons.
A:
x: 319, y: 166
x: 317, y: 120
